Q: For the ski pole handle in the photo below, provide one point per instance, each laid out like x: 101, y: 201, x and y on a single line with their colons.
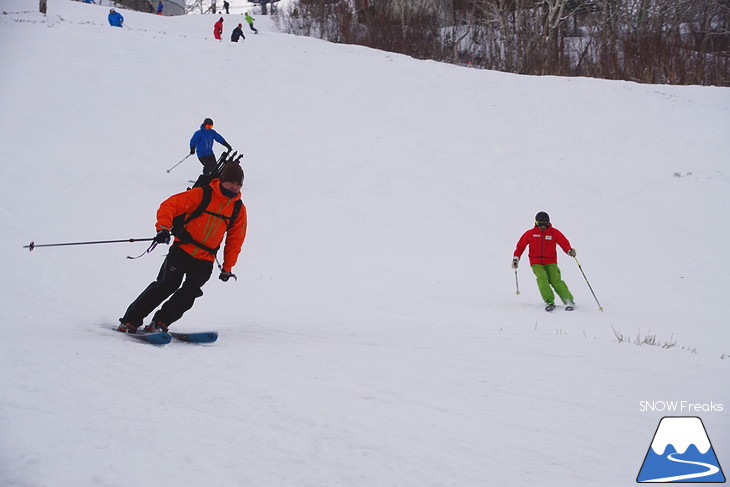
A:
x: 220, y: 267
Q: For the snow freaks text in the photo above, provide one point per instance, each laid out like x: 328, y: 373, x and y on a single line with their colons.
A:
x: 680, y: 407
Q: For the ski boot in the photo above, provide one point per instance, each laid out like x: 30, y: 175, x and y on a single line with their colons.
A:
x: 156, y: 327
x: 127, y: 328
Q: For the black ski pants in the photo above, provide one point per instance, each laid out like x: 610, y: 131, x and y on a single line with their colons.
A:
x: 208, y: 163
x: 177, y: 265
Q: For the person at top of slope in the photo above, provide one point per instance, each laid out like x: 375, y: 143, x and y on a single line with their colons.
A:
x: 250, y: 20
x: 237, y: 34
x: 115, y: 18
x: 218, y: 29
x: 543, y: 240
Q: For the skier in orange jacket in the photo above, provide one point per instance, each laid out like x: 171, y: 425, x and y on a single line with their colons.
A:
x: 199, y: 233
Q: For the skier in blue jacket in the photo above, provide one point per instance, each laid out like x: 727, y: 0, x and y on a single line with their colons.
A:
x: 202, y: 142
x: 115, y: 18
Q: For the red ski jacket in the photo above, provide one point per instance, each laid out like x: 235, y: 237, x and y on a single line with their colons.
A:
x: 543, y: 245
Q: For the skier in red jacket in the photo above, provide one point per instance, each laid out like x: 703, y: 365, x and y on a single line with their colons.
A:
x: 218, y: 29
x: 543, y: 241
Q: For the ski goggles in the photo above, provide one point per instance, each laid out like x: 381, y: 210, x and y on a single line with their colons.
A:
x: 208, y: 126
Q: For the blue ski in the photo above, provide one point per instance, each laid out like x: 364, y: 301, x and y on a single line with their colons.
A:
x: 153, y: 338
x: 199, y: 337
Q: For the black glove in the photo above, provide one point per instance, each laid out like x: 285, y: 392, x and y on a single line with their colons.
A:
x: 571, y: 252
x: 515, y: 262
x: 228, y: 146
x: 192, y: 151
x: 226, y: 275
x: 163, y: 236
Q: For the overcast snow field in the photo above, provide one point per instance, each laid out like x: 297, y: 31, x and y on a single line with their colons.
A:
x: 374, y: 336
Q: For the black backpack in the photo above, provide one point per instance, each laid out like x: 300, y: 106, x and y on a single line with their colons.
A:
x: 179, y: 222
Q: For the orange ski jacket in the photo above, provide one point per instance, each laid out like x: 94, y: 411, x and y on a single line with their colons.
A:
x: 209, y: 228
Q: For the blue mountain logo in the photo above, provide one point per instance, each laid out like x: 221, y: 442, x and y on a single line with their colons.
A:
x: 681, y: 452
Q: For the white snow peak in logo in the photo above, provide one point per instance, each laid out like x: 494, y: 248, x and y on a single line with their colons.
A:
x: 681, y: 452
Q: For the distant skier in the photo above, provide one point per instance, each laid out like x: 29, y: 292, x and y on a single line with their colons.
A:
x: 237, y: 33
x: 115, y: 18
x: 218, y: 29
x: 543, y: 240
x: 202, y: 143
x: 160, y: 8
x: 226, y: 6
x: 250, y: 20
x: 193, y: 252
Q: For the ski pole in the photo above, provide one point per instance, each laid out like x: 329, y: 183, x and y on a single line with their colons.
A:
x: 33, y: 245
x: 517, y: 284
x: 173, y: 167
x: 589, y: 284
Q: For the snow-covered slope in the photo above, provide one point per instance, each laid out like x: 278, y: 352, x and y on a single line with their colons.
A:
x: 374, y: 336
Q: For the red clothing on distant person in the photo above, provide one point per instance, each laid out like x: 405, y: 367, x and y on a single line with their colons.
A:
x: 218, y: 29
x: 543, y: 245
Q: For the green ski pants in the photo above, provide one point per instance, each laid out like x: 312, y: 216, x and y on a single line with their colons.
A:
x: 549, y: 275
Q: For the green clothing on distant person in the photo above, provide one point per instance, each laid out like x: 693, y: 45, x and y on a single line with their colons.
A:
x: 250, y: 20
x: 547, y: 276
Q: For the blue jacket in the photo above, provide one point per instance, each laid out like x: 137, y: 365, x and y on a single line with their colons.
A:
x: 203, y: 139
x: 116, y: 19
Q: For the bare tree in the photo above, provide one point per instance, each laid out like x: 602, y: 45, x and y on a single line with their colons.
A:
x: 653, y: 41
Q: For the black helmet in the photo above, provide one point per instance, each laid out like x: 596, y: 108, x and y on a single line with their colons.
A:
x: 207, y: 121
x: 542, y: 217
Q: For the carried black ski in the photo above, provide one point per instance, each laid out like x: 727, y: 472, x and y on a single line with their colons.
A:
x: 197, y: 337
x: 225, y: 158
